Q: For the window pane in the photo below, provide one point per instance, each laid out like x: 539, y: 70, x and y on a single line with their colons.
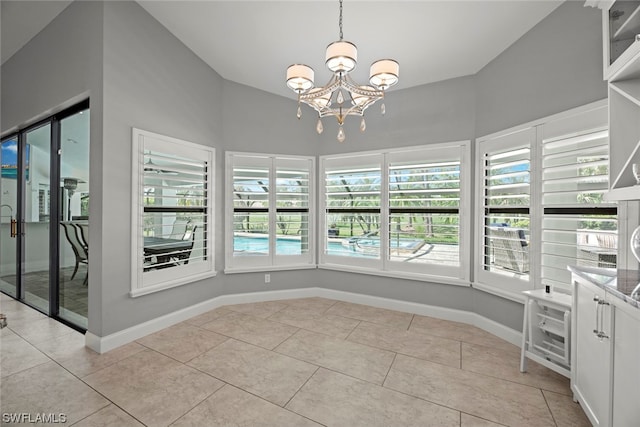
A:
x: 271, y: 222
x: 172, y: 213
x: 506, y: 212
x: 507, y: 178
x: 251, y: 215
x: 353, y: 211
x: 575, y: 170
x: 175, y: 206
x: 418, y: 232
x: 578, y: 226
x: 292, y: 201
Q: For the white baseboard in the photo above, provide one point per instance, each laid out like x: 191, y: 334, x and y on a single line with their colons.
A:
x: 117, y: 339
x: 470, y: 318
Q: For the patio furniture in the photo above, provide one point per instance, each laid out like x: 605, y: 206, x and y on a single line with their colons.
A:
x: 83, y: 228
x: 510, y: 248
x: 600, y: 252
x: 179, y: 229
x: 80, y: 250
x: 164, y: 253
x: 182, y: 257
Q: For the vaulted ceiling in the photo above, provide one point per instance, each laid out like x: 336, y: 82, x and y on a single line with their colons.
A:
x: 253, y: 42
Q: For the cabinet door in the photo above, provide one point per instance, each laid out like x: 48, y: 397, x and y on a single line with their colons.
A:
x: 591, y: 375
x: 626, y: 375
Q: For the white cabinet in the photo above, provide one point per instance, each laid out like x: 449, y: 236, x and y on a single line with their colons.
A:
x: 626, y: 367
x: 605, y: 343
x: 592, y: 351
x: 621, y: 22
x: 546, y: 330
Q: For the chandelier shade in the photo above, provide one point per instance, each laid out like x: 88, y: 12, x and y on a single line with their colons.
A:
x: 341, y: 57
x: 384, y: 73
x: 300, y: 77
x: 342, y: 96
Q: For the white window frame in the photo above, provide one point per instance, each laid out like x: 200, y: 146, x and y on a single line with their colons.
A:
x: 558, y: 124
x: 272, y: 261
x: 459, y: 275
x: 501, y: 282
x: 146, y: 282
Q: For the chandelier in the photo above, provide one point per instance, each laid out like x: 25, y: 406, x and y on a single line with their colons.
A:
x: 342, y: 96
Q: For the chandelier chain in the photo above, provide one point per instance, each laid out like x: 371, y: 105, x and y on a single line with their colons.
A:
x: 340, y: 20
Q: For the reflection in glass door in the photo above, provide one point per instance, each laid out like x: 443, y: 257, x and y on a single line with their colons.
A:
x: 35, y: 220
x: 8, y: 215
x: 73, y: 273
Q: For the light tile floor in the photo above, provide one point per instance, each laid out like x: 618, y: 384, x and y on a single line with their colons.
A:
x: 303, y: 362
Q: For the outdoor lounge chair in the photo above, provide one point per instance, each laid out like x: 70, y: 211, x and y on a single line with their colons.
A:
x: 510, y: 249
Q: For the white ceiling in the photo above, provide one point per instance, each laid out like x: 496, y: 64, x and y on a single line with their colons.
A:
x: 253, y: 42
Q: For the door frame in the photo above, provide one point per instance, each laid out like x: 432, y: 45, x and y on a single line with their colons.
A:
x: 54, y: 211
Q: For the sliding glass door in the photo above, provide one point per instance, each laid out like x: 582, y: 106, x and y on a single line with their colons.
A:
x: 44, y: 221
x: 8, y: 217
x: 73, y: 218
x: 35, y: 226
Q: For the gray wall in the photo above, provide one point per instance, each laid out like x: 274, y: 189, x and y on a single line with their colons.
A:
x: 138, y: 74
x: 152, y: 82
x: 556, y: 66
x: 432, y: 113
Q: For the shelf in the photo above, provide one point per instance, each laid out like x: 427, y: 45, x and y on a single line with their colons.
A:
x: 628, y: 28
x: 624, y: 136
x: 629, y: 89
x: 623, y: 193
x: 549, y: 353
x: 627, y: 65
x: 546, y: 330
x: 563, y: 301
x: 551, y: 324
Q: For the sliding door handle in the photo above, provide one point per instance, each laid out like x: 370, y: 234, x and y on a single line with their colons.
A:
x: 14, y: 228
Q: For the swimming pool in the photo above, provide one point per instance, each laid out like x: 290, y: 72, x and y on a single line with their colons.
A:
x: 286, y: 246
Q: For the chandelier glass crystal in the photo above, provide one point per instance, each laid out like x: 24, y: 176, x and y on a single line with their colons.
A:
x: 341, y: 96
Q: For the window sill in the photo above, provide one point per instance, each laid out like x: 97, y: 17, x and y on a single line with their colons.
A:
x: 398, y: 274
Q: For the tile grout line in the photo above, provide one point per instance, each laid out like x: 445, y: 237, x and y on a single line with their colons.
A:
x: 413, y: 316
x: 352, y: 330
x: 425, y: 400
x: 364, y: 345
x: 389, y: 370
x: 482, y: 418
x: 546, y: 402
x: 173, y: 358
x: 510, y: 381
x: 294, y: 395
x: 224, y: 384
x: 300, y: 388
x: 111, y: 402
x: 275, y: 404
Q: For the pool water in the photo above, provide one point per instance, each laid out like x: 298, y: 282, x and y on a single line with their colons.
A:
x: 284, y: 246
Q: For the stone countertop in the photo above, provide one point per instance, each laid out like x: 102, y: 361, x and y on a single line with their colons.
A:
x: 619, y: 283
